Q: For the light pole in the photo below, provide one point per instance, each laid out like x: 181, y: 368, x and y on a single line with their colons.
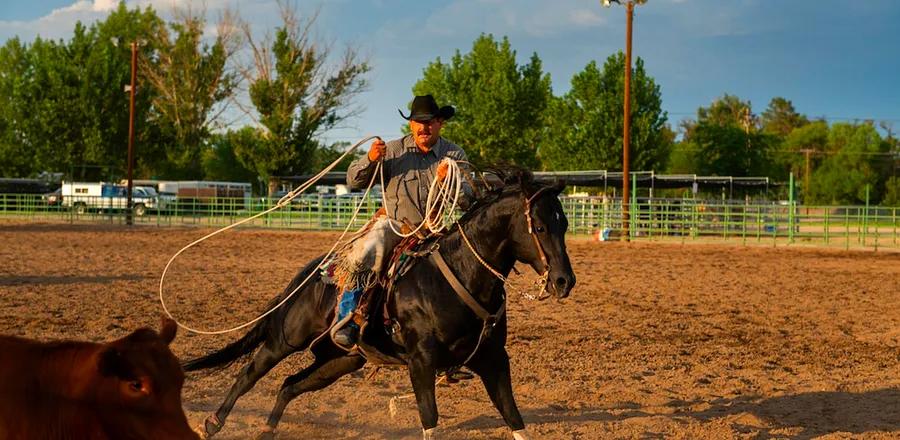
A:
x: 131, y: 90
x: 626, y: 135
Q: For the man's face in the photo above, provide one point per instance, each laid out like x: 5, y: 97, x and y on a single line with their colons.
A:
x: 426, y: 133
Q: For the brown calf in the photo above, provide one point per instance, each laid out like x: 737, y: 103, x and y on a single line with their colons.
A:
x: 125, y: 389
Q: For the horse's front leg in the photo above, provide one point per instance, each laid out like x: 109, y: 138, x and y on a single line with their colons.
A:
x: 492, y: 366
x: 422, y: 375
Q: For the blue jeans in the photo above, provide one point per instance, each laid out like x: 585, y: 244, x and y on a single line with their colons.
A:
x: 349, y: 300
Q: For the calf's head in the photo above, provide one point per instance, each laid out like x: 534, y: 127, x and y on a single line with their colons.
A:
x: 140, y: 383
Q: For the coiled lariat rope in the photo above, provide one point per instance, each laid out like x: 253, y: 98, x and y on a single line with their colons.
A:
x: 440, y: 195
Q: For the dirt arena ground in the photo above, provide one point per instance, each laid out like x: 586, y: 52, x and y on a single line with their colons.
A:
x: 656, y: 341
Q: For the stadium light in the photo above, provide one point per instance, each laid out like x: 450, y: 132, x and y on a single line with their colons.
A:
x: 626, y: 134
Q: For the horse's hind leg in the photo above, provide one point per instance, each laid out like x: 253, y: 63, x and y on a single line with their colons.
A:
x: 263, y: 361
x: 492, y: 366
x: 325, y: 370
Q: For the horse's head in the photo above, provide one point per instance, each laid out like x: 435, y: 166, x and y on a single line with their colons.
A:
x: 540, y: 240
x: 537, y: 229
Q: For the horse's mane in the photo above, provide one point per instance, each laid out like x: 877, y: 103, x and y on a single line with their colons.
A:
x: 506, y: 179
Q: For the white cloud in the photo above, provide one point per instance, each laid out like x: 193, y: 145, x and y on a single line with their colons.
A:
x: 60, y: 22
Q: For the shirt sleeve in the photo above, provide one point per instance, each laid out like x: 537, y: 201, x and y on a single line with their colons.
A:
x: 360, y: 172
x: 468, y: 194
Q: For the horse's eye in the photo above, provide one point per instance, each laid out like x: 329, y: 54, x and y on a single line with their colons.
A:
x: 540, y: 229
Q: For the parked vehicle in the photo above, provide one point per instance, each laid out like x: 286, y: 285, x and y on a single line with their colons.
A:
x: 53, y: 198
x: 82, y: 197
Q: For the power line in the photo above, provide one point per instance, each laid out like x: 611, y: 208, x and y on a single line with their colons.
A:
x: 827, y: 118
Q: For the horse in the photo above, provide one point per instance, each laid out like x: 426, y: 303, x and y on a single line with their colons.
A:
x: 442, y: 317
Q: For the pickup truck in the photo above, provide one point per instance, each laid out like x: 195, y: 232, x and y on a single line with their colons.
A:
x: 82, y: 197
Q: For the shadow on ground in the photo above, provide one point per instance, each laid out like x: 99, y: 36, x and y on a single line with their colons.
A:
x: 810, y: 414
x: 66, y: 279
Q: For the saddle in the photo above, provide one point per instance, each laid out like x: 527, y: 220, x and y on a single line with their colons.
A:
x: 378, y: 329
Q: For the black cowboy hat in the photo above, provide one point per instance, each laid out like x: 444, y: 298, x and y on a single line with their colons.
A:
x: 424, y: 109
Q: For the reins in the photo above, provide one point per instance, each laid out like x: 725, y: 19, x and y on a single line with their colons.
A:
x: 490, y: 320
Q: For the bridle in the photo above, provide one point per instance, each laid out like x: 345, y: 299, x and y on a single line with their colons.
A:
x: 537, y: 243
x: 542, y: 280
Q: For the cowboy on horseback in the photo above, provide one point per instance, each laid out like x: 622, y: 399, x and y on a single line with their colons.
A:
x: 410, y: 165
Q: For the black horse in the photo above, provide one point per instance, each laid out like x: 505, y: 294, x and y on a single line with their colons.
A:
x: 434, y: 328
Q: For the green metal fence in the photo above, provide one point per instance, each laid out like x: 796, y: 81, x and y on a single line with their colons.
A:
x: 650, y: 219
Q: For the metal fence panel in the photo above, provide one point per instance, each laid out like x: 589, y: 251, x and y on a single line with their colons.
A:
x: 650, y: 219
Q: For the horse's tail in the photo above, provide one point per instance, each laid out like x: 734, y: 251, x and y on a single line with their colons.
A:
x: 230, y: 352
x: 247, y: 343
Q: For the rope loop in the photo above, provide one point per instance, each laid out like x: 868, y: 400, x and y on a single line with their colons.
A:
x: 284, y: 201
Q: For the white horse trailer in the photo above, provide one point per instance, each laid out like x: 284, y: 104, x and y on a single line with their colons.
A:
x: 84, y: 196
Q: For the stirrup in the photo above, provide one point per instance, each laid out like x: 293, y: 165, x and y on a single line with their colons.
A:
x: 337, y: 326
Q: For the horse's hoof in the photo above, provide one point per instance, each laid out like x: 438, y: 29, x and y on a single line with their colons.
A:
x: 266, y: 435
x: 429, y: 434
x: 211, y: 426
x: 521, y: 435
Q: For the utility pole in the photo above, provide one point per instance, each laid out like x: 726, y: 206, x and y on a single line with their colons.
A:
x: 806, y: 152
x: 626, y: 135
x: 128, y: 215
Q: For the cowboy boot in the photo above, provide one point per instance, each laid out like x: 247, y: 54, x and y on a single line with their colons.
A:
x: 348, y: 335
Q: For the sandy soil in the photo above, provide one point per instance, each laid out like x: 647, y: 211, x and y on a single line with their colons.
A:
x: 657, y: 340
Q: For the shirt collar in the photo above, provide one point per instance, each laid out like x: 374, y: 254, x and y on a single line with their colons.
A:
x: 410, y: 144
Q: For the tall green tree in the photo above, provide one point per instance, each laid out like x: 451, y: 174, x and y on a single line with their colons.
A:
x: 15, y: 159
x: 780, y: 118
x: 808, y: 140
x: 297, y: 97
x: 220, y: 161
x: 193, y: 80
x: 499, y: 104
x: 725, y: 140
x: 856, y: 157
x: 585, y: 125
x: 64, y: 100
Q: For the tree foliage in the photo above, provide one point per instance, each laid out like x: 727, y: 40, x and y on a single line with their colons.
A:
x: 193, y: 80
x: 585, y: 125
x: 297, y: 96
x: 856, y: 158
x: 220, y: 161
x: 780, y: 118
x: 499, y: 104
x: 725, y: 140
x: 810, y: 139
x: 63, y: 106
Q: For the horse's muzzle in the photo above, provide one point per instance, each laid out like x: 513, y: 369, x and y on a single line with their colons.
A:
x: 561, y: 284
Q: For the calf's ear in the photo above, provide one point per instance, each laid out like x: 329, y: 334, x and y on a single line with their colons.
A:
x: 167, y: 330
x: 112, y: 364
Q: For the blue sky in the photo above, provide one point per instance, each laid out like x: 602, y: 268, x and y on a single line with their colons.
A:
x: 836, y: 59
